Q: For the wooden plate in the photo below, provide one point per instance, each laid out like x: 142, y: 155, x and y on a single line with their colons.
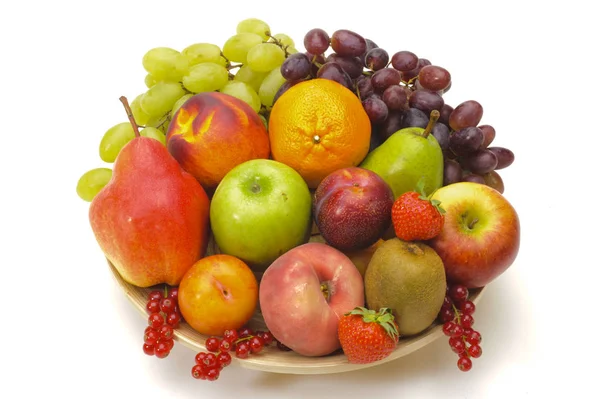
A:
x: 274, y: 360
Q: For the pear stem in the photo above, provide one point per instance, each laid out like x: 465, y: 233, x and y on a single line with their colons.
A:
x: 433, y: 118
x: 136, y: 129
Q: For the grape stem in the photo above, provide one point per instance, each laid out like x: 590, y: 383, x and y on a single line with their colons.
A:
x: 136, y: 129
x: 233, y: 66
x: 433, y: 118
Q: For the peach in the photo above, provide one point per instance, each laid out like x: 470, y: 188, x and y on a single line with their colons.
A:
x: 303, y: 294
x: 219, y: 292
x: 213, y: 132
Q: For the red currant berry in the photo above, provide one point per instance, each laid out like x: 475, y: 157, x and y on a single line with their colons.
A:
x: 459, y: 293
x: 155, y: 320
x: 226, y: 345
x: 446, y: 315
x: 198, y: 372
x: 153, y: 306
x: 467, y: 320
x: 167, y: 305
x: 473, y: 338
x: 256, y: 344
x: 447, y: 303
x: 245, y: 332
x: 448, y: 328
x: 467, y: 307
x: 267, y: 337
x: 173, y: 294
x: 242, y: 350
x: 210, y: 361
x: 212, y: 344
x: 230, y: 334
x: 162, y: 349
x: 458, y: 331
x: 148, y: 349
x: 155, y: 295
x: 464, y: 363
x: 151, y: 337
x: 475, y: 351
x: 166, y: 331
x: 457, y: 344
x: 173, y: 319
x: 224, y: 359
x: 200, y: 356
x: 467, y: 331
x: 212, y: 374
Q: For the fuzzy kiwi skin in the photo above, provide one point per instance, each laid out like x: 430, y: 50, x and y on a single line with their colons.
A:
x: 410, y: 279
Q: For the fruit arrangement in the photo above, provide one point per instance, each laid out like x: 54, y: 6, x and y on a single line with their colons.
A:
x: 319, y: 203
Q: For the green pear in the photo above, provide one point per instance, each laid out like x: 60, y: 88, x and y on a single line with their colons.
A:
x: 408, y: 156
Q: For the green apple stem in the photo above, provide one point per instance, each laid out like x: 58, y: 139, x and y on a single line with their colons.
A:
x: 433, y: 118
x: 136, y: 129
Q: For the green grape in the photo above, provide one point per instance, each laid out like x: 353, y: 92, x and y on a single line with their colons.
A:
x: 265, y: 56
x: 284, y: 39
x: 180, y: 102
x: 202, y: 52
x: 141, y: 118
x: 91, y: 182
x: 114, y: 139
x: 291, y: 50
x: 237, y: 46
x: 254, y: 25
x: 207, y: 76
x: 149, y: 80
x: 264, y: 121
x: 247, y: 75
x: 160, y: 122
x: 153, y: 133
x: 165, y: 63
x: 159, y: 99
x: 244, y: 92
x: 269, y: 87
x: 222, y: 61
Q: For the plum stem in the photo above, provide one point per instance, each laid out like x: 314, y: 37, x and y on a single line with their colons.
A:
x: 325, y: 291
x: 433, y: 118
x: 136, y: 129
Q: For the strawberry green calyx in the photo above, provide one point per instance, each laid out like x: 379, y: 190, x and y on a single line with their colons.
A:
x: 437, y: 204
x: 384, y: 317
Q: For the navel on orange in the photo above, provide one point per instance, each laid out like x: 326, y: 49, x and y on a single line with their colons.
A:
x: 319, y: 126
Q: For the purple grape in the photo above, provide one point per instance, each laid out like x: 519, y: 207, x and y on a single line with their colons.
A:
x: 284, y: 87
x: 352, y: 65
x: 466, y: 141
x: 452, y: 172
x: 316, y: 41
x: 347, y: 43
x: 364, y: 86
x: 385, y: 78
x: 375, y: 109
x: 408, y: 75
x: 434, y: 78
x: 474, y: 178
x: 395, y: 98
x: 333, y: 71
x: 466, y: 114
x: 442, y: 135
x: 370, y: 46
x: 376, y: 59
x: 489, y: 133
x: 480, y: 162
x: 445, y: 114
x: 426, y: 101
x: 315, y: 60
x: 391, y: 125
x: 296, y: 66
x: 404, y: 61
x: 414, y: 117
x: 505, y: 157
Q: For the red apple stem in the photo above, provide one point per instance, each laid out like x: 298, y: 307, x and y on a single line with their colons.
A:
x: 473, y: 222
x: 433, y: 118
x: 136, y: 129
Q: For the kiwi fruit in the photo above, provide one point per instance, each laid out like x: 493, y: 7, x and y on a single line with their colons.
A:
x: 410, y: 279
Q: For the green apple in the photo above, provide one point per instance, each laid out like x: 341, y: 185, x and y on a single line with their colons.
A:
x: 260, y: 210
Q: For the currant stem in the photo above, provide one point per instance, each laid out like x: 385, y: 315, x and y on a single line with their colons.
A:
x: 136, y: 129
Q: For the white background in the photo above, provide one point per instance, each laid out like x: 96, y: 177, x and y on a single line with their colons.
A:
x: 66, y: 327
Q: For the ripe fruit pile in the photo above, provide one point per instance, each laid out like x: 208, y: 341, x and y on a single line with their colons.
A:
x: 334, y: 191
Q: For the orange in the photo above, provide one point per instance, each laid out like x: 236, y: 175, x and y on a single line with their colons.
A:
x: 317, y: 127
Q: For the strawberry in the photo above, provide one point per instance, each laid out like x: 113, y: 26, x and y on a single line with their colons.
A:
x: 416, y: 216
x: 367, y: 336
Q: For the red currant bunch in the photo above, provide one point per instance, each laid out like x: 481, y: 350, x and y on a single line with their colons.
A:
x: 242, y: 343
x: 163, y: 318
x: 457, y: 315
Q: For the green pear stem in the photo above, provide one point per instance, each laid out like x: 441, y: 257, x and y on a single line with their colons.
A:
x: 136, y: 129
x: 433, y: 118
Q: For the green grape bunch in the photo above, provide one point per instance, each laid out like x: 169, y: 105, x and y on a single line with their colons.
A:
x: 247, y: 66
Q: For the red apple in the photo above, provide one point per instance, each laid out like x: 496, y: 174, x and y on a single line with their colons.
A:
x: 303, y: 294
x: 352, y: 208
x: 481, y: 234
